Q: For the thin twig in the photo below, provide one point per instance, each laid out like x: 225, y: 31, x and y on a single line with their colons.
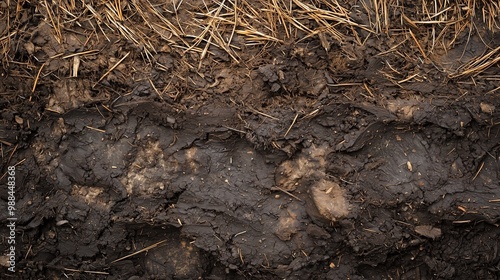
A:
x: 478, y: 171
x: 111, y: 69
x: 140, y: 251
x: 37, y: 77
x: 291, y: 125
x: 264, y: 114
x: 287, y: 192
x: 86, y: 271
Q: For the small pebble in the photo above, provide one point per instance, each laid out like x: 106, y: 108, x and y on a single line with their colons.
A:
x: 487, y: 108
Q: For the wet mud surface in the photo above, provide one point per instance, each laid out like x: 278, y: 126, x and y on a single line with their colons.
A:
x: 311, y: 159
x: 344, y: 204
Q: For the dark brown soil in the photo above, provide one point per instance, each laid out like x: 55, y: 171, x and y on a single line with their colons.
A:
x: 298, y: 163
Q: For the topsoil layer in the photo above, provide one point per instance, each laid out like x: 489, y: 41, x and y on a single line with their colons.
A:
x: 303, y: 162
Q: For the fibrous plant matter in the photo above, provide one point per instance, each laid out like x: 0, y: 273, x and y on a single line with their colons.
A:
x: 232, y: 25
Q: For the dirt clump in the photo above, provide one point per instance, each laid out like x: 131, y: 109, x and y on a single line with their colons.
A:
x: 329, y: 199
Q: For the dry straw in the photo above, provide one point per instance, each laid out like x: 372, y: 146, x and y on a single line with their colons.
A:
x: 231, y: 25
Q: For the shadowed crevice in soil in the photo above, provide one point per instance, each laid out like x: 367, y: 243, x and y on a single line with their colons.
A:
x: 355, y: 191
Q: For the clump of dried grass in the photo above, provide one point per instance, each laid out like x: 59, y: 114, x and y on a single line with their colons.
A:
x: 231, y: 25
x: 193, y: 28
x: 437, y: 25
x: 479, y: 64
